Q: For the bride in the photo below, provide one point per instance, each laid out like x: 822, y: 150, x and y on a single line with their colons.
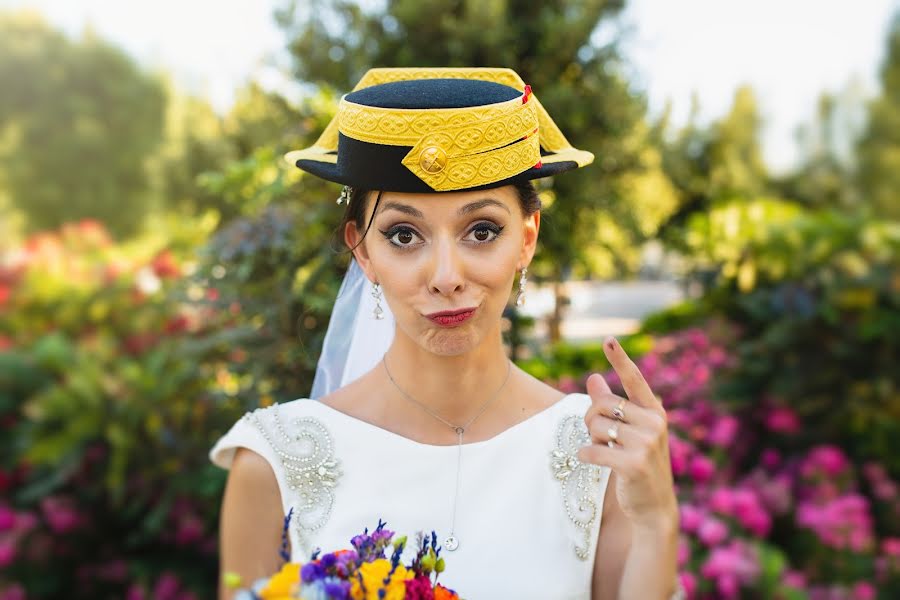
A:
x: 418, y: 417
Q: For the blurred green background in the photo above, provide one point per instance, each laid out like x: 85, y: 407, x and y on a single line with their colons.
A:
x: 162, y: 271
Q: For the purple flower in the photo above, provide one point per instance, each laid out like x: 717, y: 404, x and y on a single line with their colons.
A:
x: 794, y: 579
x: 728, y: 586
x: 7, y: 518
x: 135, y: 592
x: 891, y: 546
x: 864, y: 591
x: 702, y: 468
x: 684, y: 550
x: 691, y: 517
x: 712, y: 531
x: 780, y: 419
x: 7, y: 552
x: 840, y: 523
x: 689, y: 582
x: 826, y: 459
x: 336, y: 590
x: 770, y: 458
x: 61, y: 514
x: 312, y: 571
x: 679, y: 454
x: 723, y: 431
x: 13, y: 592
x: 733, y: 564
x: 166, y: 587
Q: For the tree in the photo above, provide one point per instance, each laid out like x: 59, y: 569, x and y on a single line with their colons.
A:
x: 554, y: 47
x: 77, y: 122
x: 879, y: 148
x: 824, y: 178
x: 713, y: 164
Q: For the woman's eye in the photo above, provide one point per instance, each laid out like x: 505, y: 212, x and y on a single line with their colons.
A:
x: 400, y: 236
x: 485, y: 232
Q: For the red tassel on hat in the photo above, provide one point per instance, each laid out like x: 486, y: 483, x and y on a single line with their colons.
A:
x: 525, y: 96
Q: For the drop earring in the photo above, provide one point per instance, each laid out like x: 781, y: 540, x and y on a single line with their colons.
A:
x: 520, y: 298
x: 377, y: 312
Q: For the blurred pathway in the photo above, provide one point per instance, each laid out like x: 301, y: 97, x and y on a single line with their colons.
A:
x: 600, y: 308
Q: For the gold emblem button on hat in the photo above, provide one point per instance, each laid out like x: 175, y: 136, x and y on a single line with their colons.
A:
x: 433, y: 160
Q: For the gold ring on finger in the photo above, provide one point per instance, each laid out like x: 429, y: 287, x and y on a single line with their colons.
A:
x: 619, y: 410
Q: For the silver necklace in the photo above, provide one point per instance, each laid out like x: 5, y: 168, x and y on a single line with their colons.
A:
x: 451, y: 542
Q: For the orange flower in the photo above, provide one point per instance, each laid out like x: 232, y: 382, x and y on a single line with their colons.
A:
x: 442, y: 593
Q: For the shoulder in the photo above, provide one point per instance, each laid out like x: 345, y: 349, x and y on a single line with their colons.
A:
x: 251, y: 471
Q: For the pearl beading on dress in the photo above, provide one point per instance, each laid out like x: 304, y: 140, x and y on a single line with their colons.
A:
x: 306, y: 452
x: 579, y: 480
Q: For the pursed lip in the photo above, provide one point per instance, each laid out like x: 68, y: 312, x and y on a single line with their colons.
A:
x: 451, y: 313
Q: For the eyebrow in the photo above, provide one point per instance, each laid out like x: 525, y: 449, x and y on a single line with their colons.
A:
x: 470, y: 207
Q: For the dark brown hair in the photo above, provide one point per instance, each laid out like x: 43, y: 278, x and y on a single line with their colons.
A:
x: 529, y: 202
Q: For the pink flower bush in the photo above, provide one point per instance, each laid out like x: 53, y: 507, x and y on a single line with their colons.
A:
x: 842, y: 523
x: 731, y: 566
x: 737, y: 484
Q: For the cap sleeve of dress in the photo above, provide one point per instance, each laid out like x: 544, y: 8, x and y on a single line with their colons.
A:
x: 300, y: 450
x: 241, y: 435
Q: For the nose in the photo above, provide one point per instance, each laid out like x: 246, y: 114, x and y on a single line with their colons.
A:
x: 447, y: 270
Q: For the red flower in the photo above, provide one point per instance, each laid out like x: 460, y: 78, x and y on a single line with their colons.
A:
x: 419, y: 589
x: 177, y: 324
x: 164, y: 265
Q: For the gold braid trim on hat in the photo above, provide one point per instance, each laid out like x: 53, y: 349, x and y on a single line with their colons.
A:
x: 452, y: 148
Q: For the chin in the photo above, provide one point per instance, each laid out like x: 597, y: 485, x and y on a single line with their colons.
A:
x: 450, y: 342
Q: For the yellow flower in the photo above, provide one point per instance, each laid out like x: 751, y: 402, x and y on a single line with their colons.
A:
x: 283, y: 584
x: 373, y: 576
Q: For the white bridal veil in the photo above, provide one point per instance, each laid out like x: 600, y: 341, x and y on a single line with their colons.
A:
x: 355, y: 340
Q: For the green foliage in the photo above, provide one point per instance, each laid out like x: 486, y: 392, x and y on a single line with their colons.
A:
x: 817, y: 295
x: 717, y: 240
x: 212, y: 164
x: 879, y: 147
x: 712, y: 164
x: 569, y: 362
x: 825, y: 178
x: 112, y: 391
x: 76, y: 128
x: 822, y: 328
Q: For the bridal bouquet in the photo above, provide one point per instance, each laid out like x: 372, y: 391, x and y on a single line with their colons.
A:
x: 366, y: 572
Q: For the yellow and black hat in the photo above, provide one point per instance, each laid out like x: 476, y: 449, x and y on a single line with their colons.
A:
x: 437, y: 130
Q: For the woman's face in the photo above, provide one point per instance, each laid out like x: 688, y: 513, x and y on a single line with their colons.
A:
x: 448, y: 252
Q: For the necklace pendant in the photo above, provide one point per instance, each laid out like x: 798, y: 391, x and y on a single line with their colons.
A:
x: 451, y: 543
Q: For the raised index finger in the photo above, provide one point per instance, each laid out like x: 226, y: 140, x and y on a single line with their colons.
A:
x: 636, y: 387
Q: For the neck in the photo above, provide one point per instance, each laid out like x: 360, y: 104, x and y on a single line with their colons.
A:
x: 455, y: 387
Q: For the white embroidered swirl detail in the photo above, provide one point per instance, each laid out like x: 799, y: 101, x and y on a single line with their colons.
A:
x: 306, y: 452
x: 579, y: 480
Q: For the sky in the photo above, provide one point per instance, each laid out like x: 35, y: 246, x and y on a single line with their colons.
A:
x: 790, y: 51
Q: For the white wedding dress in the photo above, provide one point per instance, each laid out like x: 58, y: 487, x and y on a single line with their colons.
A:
x: 528, y: 513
